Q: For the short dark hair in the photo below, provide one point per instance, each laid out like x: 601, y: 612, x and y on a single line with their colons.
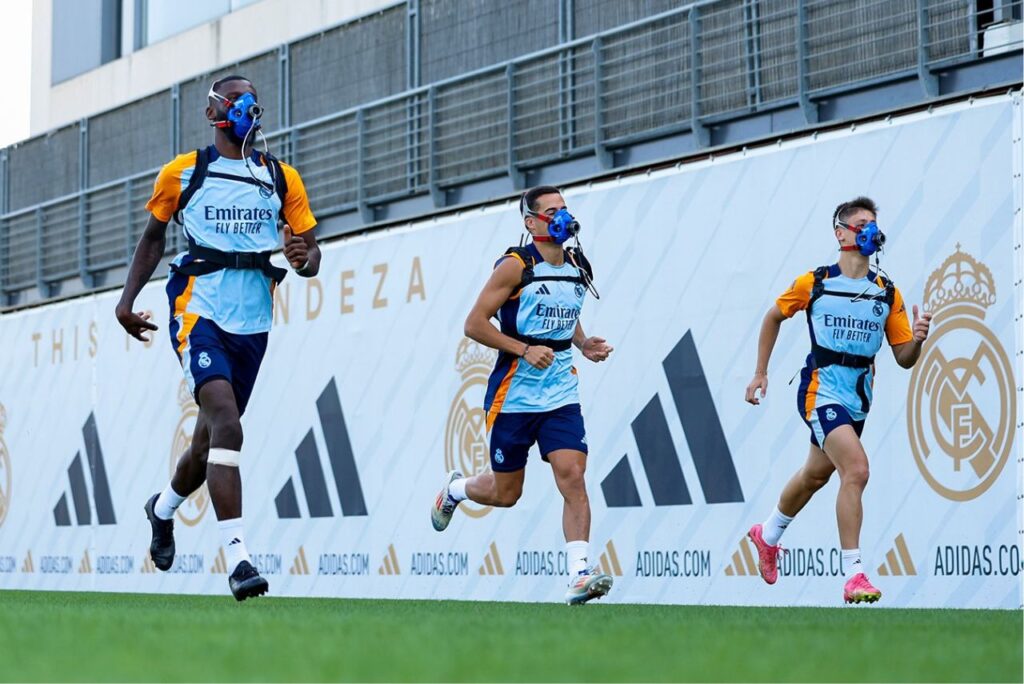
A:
x: 848, y: 209
x: 227, y: 79
x: 529, y: 200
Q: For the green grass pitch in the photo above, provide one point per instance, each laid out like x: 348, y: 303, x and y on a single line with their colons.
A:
x: 50, y: 636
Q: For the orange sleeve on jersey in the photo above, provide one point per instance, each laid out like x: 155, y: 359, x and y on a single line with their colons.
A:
x: 897, y: 325
x: 798, y: 296
x: 297, y: 213
x: 167, y: 188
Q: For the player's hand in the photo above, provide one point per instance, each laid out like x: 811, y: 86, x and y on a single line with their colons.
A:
x: 295, y: 249
x: 596, y: 349
x: 135, y: 323
x: 921, y: 324
x: 760, y: 382
x: 539, y: 357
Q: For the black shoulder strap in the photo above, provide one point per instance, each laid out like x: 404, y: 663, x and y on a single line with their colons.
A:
x: 194, y: 182
x: 890, y: 291
x: 818, y: 288
x: 280, y: 182
x: 527, y: 258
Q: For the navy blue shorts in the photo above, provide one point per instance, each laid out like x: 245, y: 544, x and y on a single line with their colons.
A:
x: 825, y: 419
x: 206, y: 352
x: 513, y: 434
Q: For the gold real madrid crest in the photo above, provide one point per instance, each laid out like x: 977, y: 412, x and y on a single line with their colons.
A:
x: 961, y: 403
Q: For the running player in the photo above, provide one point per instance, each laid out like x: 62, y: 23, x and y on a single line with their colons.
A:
x: 536, y: 292
x: 849, y: 308
x: 228, y: 199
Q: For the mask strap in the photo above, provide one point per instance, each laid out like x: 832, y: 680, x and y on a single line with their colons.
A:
x: 854, y: 229
x: 541, y: 217
x: 221, y: 123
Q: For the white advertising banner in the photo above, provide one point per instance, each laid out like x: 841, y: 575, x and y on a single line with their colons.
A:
x: 369, y: 393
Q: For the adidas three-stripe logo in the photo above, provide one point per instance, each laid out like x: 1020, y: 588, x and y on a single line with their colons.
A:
x: 79, y: 490
x: 704, y: 436
x: 899, y: 552
x: 311, y: 472
x: 543, y: 290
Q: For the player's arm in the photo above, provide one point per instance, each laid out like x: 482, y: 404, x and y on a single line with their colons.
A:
x: 505, y: 278
x: 302, y: 252
x: 596, y: 349
x: 796, y: 298
x: 147, y: 256
x: 300, y: 246
x: 765, y: 344
x: 906, y: 340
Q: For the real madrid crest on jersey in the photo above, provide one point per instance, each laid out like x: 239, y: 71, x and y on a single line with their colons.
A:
x: 192, y: 509
x: 961, y: 403
x: 5, y: 469
x: 465, y: 436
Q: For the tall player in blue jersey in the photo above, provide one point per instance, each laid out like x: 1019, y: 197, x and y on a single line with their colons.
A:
x: 229, y: 199
x: 536, y: 292
x: 851, y: 310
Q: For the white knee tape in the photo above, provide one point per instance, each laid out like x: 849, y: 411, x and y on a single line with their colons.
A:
x: 224, y: 457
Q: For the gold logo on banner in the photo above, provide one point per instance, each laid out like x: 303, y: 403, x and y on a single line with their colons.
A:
x: 465, y: 436
x: 743, y: 563
x: 220, y: 563
x: 5, y: 469
x: 299, y: 565
x: 492, y: 562
x: 389, y: 566
x: 961, y: 401
x: 899, y: 552
x: 85, y: 566
x: 609, y: 563
x: 192, y: 509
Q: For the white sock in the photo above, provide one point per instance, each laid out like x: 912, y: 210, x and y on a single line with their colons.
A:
x: 774, y: 526
x: 167, y: 503
x: 851, y: 562
x: 457, y: 489
x: 577, y: 554
x: 234, y: 542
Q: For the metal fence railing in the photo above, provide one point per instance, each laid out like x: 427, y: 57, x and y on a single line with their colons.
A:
x: 681, y: 70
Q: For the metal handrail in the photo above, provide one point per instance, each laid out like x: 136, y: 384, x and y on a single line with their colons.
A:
x: 506, y: 117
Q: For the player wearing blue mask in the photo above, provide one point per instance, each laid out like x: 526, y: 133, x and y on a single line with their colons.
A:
x: 851, y: 310
x: 536, y: 292
x: 230, y: 200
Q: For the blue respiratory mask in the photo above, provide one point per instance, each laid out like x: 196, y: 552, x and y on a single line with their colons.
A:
x: 243, y: 114
x: 870, y: 238
x: 562, y: 226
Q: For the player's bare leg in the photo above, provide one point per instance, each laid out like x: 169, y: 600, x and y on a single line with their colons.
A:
x: 585, y: 583
x: 217, y: 400
x: 496, y: 489
x: 489, y: 489
x: 190, y: 473
x: 568, y: 467
x: 846, y: 452
x: 189, y: 476
x: 814, y: 475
